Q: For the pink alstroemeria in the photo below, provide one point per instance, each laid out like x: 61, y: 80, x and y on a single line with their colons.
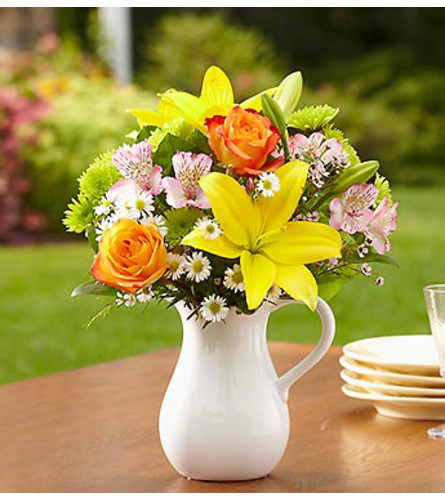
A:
x: 136, y: 163
x: 184, y: 188
x: 352, y: 214
x: 383, y: 223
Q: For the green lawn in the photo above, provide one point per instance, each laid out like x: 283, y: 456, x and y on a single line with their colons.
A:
x: 42, y: 329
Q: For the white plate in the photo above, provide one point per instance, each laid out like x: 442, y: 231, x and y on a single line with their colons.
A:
x: 401, y: 407
x: 411, y: 354
x: 386, y: 377
x: 390, y: 390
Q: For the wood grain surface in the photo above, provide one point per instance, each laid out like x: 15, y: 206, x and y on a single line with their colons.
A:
x: 95, y: 430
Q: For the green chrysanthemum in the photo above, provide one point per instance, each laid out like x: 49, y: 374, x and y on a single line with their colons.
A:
x: 382, y: 185
x: 180, y: 222
x: 312, y: 118
x: 93, y: 184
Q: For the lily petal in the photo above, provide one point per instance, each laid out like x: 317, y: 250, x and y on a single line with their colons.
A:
x: 237, y: 214
x: 217, y: 91
x: 188, y: 106
x: 303, y: 243
x: 278, y: 209
x: 299, y: 283
x: 147, y: 117
x: 219, y: 246
x: 259, y: 275
x: 254, y: 102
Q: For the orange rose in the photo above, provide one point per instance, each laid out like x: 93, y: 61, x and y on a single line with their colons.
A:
x: 243, y: 140
x: 130, y: 256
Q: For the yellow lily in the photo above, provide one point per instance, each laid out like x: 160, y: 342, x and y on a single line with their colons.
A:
x: 165, y: 114
x: 272, y: 249
x: 216, y: 99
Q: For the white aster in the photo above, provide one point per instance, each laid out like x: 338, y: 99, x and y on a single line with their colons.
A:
x: 136, y: 205
x: 198, y: 267
x: 214, y: 308
x: 104, y: 225
x: 269, y: 184
x: 233, y: 278
x: 175, y: 266
x: 157, y: 221
x: 210, y: 229
x: 145, y: 294
x: 125, y: 299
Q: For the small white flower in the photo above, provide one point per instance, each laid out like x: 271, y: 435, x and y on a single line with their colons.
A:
x: 145, y: 294
x: 332, y: 264
x: 362, y: 250
x: 312, y: 216
x: 176, y: 266
x: 214, y: 308
x: 198, y: 267
x: 366, y: 270
x: 210, y: 229
x: 104, y: 208
x: 274, y: 292
x: 125, y: 299
x: 268, y: 184
x: 157, y: 221
x: 233, y: 278
x: 380, y: 281
x: 136, y: 205
x: 104, y: 225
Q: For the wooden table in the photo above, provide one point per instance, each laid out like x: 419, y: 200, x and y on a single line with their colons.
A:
x: 95, y: 430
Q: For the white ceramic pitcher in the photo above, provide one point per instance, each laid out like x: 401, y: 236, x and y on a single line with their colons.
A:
x: 224, y: 416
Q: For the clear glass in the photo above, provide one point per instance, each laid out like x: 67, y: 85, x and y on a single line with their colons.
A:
x: 435, y: 303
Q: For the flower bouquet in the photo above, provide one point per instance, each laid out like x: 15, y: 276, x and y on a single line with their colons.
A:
x: 225, y: 205
x: 226, y: 210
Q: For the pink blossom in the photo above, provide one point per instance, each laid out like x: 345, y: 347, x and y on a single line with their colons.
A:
x: 352, y: 214
x: 383, y: 223
x: 184, y: 188
x: 136, y: 163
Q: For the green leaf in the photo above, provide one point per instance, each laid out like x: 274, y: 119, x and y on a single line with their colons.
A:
x: 94, y: 288
x: 355, y: 175
x: 167, y: 148
x: 199, y: 142
x: 92, y: 238
x: 145, y: 133
x: 329, y: 287
x: 272, y: 110
x: 374, y: 257
x: 312, y: 118
x: 288, y: 93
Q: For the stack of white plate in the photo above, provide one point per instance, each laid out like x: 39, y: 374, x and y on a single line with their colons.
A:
x: 399, y: 375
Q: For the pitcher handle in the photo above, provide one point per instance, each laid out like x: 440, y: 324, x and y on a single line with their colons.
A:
x: 285, y: 382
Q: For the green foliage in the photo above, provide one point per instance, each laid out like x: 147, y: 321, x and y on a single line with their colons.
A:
x: 273, y: 111
x: 94, y: 288
x: 93, y: 184
x: 84, y: 121
x: 183, y: 46
x: 312, y: 118
x: 180, y: 221
x: 356, y: 175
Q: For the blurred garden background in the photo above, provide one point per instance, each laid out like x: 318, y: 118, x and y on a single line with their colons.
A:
x: 61, y: 105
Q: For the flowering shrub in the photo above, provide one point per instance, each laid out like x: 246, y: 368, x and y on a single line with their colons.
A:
x: 17, y: 113
x: 227, y: 205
